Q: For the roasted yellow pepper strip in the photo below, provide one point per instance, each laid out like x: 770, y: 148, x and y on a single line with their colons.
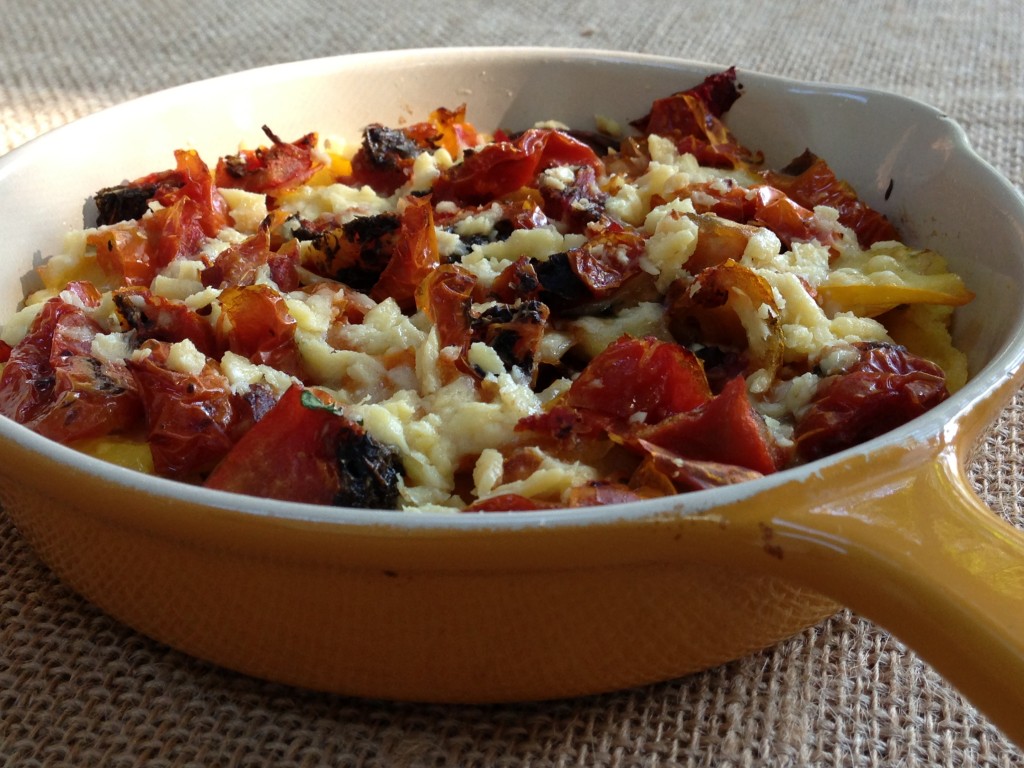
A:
x: 123, y: 451
x: 872, y: 282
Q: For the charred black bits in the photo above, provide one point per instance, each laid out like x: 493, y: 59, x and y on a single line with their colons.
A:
x: 125, y: 202
x: 369, y: 471
x: 303, y: 229
x: 503, y: 229
x: 509, y: 331
x: 236, y: 166
x: 561, y: 287
x: 385, y: 146
x: 367, y: 229
x: 800, y: 163
x: 102, y: 382
x: 504, y: 344
x: 130, y: 308
x: 358, y: 251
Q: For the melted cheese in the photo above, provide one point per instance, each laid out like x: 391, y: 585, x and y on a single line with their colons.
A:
x: 453, y: 429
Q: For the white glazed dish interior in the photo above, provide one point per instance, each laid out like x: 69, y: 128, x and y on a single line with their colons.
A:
x: 940, y: 194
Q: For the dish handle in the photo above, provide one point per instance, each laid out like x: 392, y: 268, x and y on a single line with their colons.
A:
x: 908, y: 543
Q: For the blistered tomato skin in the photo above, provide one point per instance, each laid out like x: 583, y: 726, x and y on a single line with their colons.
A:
x: 190, y: 417
x: 53, y: 384
x: 161, y: 319
x: 884, y: 389
x: 692, y: 118
x: 415, y: 256
x: 187, y: 207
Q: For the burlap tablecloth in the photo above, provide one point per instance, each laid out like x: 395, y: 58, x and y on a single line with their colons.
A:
x: 77, y: 688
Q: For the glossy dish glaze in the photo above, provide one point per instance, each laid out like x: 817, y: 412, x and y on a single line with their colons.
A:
x: 554, y: 603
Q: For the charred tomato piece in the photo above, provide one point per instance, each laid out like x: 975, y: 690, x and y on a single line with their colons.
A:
x: 514, y: 332
x: 305, y: 450
x: 163, y: 319
x: 357, y: 252
x: 54, y: 385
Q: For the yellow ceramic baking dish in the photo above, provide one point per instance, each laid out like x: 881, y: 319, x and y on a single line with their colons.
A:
x: 555, y: 603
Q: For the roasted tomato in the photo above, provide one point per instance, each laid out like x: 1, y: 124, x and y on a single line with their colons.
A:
x: 356, y: 252
x: 53, y: 384
x: 126, y: 202
x: 666, y: 472
x: 174, y: 232
x: 451, y: 131
x: 576, y: 202
x: 413, y: 258
x: 240, y: 264
x: 553, y: 147
x: 271, y: 170
x: 494, y: 171
x: 190, y: 178
x: 762, y: 205
x: 692, y: 118
x: 726, y: 430
x: 644, y: 380
x: 192, y: 209
x: 123, y: 253
x: 810, y: 181
x: 519, y: 280
x: 306, y: 450
x: 198, y: 186
x: 502, y: 168
x: 385, y: 159
x: 887, y: 387
x: 592, y: 272
x: 597, y: 493
x: 191, y: 418
x: 254, y: 322
x: 445, y: 297
x: 514, y: 332
x: 732, y: 307
x: 788, y: 219
x: 520, y: 210
x: 632, y: 382
x: 508, y: 502
x: 163, y: 319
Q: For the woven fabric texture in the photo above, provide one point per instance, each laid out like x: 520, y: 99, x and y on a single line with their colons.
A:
x: 77, y: 688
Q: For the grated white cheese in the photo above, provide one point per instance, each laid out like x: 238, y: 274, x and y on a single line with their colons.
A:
x: 247, y: 209
x: 112, y: 346
x: 342, y: 201
x: 183, y: 357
